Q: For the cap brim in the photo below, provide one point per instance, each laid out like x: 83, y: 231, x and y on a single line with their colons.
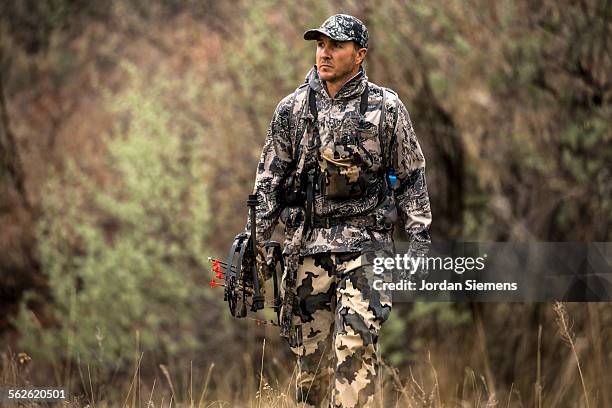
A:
x: 316, y: 32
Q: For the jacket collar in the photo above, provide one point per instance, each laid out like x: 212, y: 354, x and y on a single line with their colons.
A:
x: 351, y: 89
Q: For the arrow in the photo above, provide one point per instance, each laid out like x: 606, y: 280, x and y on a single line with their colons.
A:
x: 217, y: 264
x: 214, y: 283
x: 218, y: 273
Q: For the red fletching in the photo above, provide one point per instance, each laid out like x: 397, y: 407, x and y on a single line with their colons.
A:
x: 214, y: 283
x: 218, y: 273
x: 215, y: 262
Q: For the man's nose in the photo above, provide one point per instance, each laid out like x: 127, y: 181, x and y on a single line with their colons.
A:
x: 325, y: 52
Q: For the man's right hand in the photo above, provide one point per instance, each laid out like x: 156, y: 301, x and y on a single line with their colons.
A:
x: 265, y: 263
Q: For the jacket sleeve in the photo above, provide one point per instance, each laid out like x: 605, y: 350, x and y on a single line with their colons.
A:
x: 411, y: 194
x: 272, y: 169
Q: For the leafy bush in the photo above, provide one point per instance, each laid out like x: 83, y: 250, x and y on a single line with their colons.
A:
x: 121, y: 249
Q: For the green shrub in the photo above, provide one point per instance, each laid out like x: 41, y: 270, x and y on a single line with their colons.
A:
x: 121, y: 249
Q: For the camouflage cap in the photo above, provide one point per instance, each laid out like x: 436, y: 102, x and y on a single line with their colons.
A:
x: 341, y: 27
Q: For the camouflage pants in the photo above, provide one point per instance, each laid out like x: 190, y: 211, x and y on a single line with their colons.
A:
x: 338, y: 318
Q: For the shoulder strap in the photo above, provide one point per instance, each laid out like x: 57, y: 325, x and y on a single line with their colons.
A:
x: 312, y: 102
x: 381, y: 130
x: 363, y: 104
x: 312, y: 105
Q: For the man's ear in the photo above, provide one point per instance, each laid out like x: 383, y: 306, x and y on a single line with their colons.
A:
x: 361, y: 54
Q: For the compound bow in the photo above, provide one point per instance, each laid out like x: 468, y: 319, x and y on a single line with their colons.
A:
x: 242, y: 279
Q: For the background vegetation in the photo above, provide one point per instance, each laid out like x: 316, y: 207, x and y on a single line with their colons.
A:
x: 129, y: 135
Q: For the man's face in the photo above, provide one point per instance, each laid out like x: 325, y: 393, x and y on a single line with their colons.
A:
x: 337, y: 61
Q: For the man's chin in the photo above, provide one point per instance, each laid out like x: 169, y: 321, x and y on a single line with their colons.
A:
x: 326, y: 76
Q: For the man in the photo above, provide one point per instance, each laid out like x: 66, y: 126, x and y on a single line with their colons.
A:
x: 340, y: 158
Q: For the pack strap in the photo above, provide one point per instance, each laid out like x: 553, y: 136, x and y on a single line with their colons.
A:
x: 356, y: 221
x: 363, y: 104
x: 381, y: 131
x: 312, y: 103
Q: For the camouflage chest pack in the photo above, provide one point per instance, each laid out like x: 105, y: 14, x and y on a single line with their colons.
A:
x: 344, y: 170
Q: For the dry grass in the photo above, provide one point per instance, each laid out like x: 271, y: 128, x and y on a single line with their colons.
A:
x: 565, y: 330
x: 266, y: 382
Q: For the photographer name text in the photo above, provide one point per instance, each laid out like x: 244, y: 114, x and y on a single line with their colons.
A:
x: 468, y: 285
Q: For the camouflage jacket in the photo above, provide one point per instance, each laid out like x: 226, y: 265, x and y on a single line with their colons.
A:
x: 284, y: 153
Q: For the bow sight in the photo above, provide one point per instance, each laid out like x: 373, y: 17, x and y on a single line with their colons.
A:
x: 240, y: 273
